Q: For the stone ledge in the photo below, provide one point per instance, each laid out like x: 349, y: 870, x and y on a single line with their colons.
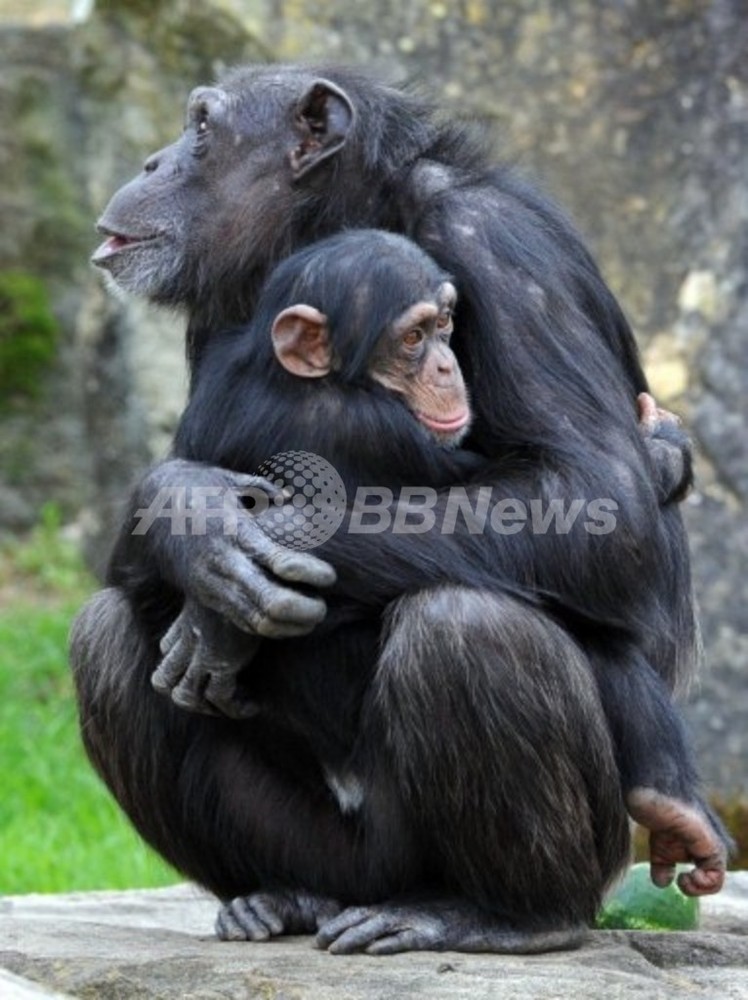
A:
x: 158, y: 945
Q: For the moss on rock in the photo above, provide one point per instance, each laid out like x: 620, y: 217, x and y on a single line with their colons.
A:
x: 28, y: 334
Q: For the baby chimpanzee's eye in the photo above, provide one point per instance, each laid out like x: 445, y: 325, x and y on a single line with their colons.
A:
x: 413, y: 337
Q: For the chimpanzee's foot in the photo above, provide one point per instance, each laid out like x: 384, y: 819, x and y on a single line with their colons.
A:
x: 436, y: 925
x: 263, y: 915
x: 680, y: 832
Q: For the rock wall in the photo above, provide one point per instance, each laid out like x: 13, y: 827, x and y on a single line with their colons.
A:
x: 80, y: 106
x: 634, y: 115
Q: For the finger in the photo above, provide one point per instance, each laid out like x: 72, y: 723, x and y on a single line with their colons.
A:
x: 170, y: 639
x: 702, y: 881
x: 405, y: 940
x: 183, y: 474
x: 247, y: 617
x: 246, y: 585
x: 350, y: 917
x: 300, y: 567
x: 189, y: 692
x: 173, y: 666
x: 264, y: 910
x: 278, y: 606
x: 294, y: 567
x: 363, y: 934
x: 237, y: 921
x: 255, y: 604
x: 221, y: 694
x: 671, y: 822
x: 647, y: 410
x: 228, y: 927
x: 241, y: 481
x: 355, y: 939
x: 219, y: 688
x: 661, y: 874
x: 218, y: 589
x: 668, y: 417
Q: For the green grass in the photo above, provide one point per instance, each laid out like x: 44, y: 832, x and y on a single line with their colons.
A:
x: 59, y: 828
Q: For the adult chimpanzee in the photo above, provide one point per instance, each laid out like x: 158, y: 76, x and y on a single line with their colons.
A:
x: 270, y: 160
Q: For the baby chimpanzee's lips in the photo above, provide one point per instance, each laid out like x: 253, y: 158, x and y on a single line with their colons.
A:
x: 455, y: 423
x: 116, y: 242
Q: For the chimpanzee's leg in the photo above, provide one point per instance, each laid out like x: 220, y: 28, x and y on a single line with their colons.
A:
x: 238, y: 806
x: 494, y: 733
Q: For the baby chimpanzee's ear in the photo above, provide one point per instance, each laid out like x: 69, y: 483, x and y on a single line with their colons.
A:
x: 301, y: 341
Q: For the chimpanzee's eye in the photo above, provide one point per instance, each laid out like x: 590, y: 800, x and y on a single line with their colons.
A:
x: 444, y: 319
x: 201, y: 119
x: 413, y: 337
x: 200, y: 124
x: 199, y: 116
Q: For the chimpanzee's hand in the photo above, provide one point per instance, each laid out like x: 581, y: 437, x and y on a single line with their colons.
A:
x: 669, y: 448
x: 212, y: 548
x: 203, y: 655
x: 681, y: 832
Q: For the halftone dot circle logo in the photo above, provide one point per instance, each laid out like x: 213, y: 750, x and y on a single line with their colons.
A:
x: 313, y: 506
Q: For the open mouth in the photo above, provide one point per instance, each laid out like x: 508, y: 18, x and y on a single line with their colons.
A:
x: 448, y: 426
x: 117, y: 242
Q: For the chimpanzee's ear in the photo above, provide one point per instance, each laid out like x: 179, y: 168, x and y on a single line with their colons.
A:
x: 324, y: 117
x: 301, y: 341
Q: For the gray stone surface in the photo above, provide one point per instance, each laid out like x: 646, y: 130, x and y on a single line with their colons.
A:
x: 158, y: 945
x: 634, y: 114
x: 17, y: 988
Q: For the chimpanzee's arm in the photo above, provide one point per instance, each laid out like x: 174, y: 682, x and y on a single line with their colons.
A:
x: 242, y: 573
x: 204, y: 652
x: 186, y: 530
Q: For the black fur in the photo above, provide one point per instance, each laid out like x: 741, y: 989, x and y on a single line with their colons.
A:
x: 494, y: 745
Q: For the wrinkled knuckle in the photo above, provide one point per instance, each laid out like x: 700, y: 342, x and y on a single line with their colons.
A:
x: 267, y: 597
x: 297, y: 609
x: 277, y: 564
x: 241, y: 481
x: 283, y: 606
x: 285, y: 562
x: 184, y: 699
x: 254, y: 619
x: 230, y: 930
x: 203, y: 570
x: 160, y: 684
x: 251, y: 536
x: 216, y: 549
x: 267, y: 628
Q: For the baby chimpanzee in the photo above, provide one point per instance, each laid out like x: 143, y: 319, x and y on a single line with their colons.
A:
x: 348, y: 358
